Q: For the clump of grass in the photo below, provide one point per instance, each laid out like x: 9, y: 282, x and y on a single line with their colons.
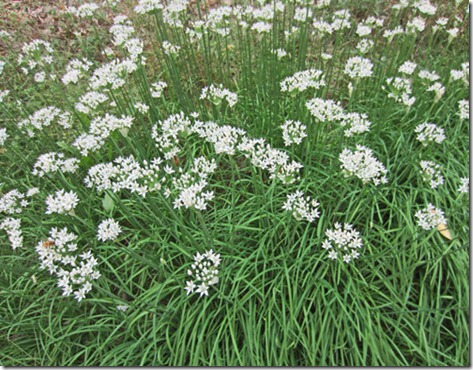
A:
x: 271, y: 184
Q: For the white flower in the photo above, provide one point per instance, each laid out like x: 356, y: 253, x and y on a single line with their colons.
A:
x: 157, y: 88
x: 430, y: 217
x: 362, y: 164
x: 84, y: 10
x: 465, y: 185
x: 356, y: 122
x: 170, y: 49
x: 463, y: 107
x: 302, y: 208
x: 205, y: 273
x: 108, y: 229
x: 12, y: 202
x: 148, y: 6
x: 217, y: 93
x: 364, y: 45
x: 90, y: 101
x: 357, y: 67
x: 342, y: 240
x: 430, y: 172
x: 141, y: 107
x: 53, y: 162
x: 3, y: 136
x: 262, y: 27
x: 325, y: 110
x: 462, y: 74
x: 363, y: 30
x: 417, y: 24
x: 407, y: 67
x: 61, y: 202
x: 427, y: 132
x: 293, y: 132
x: 439, y: 90
x: 59, y: 255
x: 300, y: 81
x: 427, y: 75
x: 280, y: 53
x: 400, y: 90
x: 12, y: 228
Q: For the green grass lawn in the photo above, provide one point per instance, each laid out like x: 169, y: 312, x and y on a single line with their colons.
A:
x: 240, y: 184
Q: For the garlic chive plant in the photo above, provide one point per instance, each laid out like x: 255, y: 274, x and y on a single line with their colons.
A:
x: 236, y: 183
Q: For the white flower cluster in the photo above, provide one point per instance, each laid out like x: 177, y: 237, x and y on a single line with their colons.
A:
x: 340, y: 21
x: 415, y: 25
x: 126, y: 173
x: 262, y: 27
x: 53, y: 162
x: 407, y: 67
x: 170, y: 49
x: 190, y: 185
x: 75, y: 70
x: 463, y: 110
x: 425, y: 7
x: 112, y: 74
x: 122, y: 30
x: 302, y: 208
x: 141, y: 107
x: 108, y: 229
x: 362, y: 164
x: 166, y: 133
x: 344, y: 240
x: 61, y: 202
x: 280, y: 53
x: 173, y: 11
x: 438, y: 89
x: 3, y: 136
x: 358, y: 67
x: 225, y: 139
x: 12, y: 228
x: 293, y: 132
x: 430, y: 217
x: 276, y: 161
x: 428, y: 132
x: 389, y: 34
x: 75, y: 272
x: 45, y: 117
x: 364, y: 45
x: 204, y: 272
x: 465, y: 185
x: 462, y: 74
x: 148, y: 6
x: 90, y: 101
x: 400, y: 90
x: 13, y: 201
x: 83, y: 11
x: 37, y: 53
x: 300, y: 81
x: 331, y: 111
x: 216, y: 94
x: 99, y: 130
x: 157, y: 88
x: 430, y: 172
x: 356, y: 123
x: 325, y: 110
x: 427, y: 75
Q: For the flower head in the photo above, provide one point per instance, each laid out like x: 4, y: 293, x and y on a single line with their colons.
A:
x: 344, y: 241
